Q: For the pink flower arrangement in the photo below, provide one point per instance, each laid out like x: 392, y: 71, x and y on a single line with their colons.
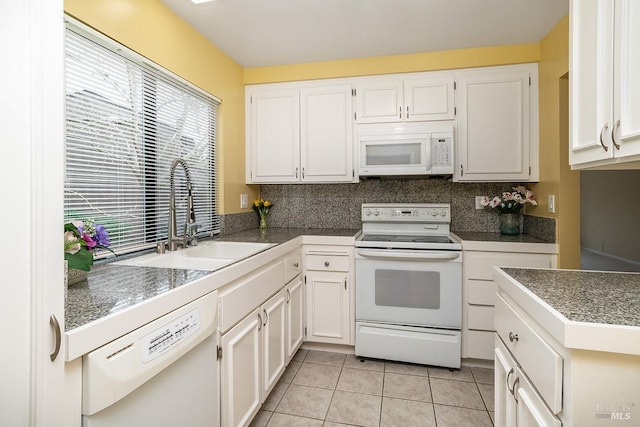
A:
x: 510, y: 201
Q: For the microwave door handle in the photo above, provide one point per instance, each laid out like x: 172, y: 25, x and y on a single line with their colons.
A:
x: 422, y: 256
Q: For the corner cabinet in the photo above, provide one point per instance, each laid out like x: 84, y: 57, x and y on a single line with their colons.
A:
x: 299, y: 134
x: 497, y: 136
x: 409, y: 100
x: 479, y: 289
x: 605, y: 83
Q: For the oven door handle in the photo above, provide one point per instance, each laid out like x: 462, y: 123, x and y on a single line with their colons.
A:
x: 422, y: 256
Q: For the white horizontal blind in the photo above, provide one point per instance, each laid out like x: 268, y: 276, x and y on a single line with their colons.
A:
x: 126, y: 121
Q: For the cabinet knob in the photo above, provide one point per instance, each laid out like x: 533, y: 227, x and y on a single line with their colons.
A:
x: 296, y: 265
x: 326, y: 263
x: 513, y: 337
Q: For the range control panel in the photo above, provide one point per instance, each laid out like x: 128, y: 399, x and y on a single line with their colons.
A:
x: 163, y: 339
x: 410, y: 212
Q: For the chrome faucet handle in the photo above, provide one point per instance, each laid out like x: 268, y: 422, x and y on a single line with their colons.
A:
x: 190, y: 231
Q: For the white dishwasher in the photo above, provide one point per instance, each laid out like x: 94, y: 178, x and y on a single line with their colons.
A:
x: 165, y: 373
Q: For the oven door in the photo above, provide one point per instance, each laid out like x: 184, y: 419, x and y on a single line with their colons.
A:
x: 409, y: 287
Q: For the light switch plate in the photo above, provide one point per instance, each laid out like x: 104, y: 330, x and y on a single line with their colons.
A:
x: 552, y: 203
x: 244, y: 201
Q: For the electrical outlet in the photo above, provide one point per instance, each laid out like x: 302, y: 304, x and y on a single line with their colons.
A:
x: 478, y: 204
x: 244, y: 201
x: 551, y: 201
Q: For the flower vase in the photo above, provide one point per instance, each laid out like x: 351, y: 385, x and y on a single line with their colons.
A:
x: 263, y: 222
x: 509, y: 223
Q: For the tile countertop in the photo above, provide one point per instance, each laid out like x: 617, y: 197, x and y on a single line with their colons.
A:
x: 587, y: 310
x: 108, y: 304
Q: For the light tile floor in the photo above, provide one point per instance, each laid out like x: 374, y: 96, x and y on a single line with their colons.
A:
x: 332, y: 389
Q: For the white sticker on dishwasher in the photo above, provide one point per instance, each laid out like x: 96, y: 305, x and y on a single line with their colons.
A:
x: 166, y: 337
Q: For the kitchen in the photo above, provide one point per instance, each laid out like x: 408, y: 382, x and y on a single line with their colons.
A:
x: 163, y: 30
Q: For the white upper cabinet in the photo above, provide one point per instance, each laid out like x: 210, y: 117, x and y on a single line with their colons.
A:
x: 299, y: 134
x: 273, y: 135
x: 326, y: 134
x: 605, y: 83
x: 498, y: 124
x: 397, y: 100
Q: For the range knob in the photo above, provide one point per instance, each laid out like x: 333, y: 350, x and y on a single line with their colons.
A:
x: 443, y: 213
x: 434, y: 213
x: 376, y: 213
x: 367, y: 213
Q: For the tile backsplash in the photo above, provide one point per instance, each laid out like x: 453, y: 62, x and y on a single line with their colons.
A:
x: 338, y: 205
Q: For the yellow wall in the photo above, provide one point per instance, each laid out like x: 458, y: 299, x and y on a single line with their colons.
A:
x: 427, y: 61
x: 151, y: 29
x: 555, y: 175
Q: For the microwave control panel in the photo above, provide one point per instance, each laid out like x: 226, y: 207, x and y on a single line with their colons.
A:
x: 441, y: 154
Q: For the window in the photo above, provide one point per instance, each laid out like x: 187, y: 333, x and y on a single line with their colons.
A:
x: 127, y: 120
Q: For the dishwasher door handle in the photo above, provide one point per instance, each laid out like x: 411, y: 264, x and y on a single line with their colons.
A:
x: 410, y: 255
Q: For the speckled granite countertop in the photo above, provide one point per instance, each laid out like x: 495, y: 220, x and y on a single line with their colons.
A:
x: 582, y: 310
x: 497, y: 237
x: 586, y: 296
x: 111, y: 288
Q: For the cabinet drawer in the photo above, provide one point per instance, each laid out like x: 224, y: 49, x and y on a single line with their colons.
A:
x: 542, y: 364
x: 245, y: 294
x: 292, y: 265
x: 481, y: 292
x: 330, y: 261
x: 480, y: 344
x: 480, y: 265
x: 480, y: 317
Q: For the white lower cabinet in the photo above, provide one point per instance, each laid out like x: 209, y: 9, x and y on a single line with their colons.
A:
x: 295, y: 316
x: 480, y: 290
x: 516, y: 401
x: 274, y: 348
x: 241, y: 384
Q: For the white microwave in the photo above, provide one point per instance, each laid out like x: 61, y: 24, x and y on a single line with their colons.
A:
x: 405, y: 149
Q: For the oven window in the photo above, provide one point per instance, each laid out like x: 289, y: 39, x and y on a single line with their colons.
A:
x: 410, y: 289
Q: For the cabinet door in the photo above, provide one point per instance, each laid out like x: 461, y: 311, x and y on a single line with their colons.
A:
x: 494, y: 127
x: 379, y: 102
x: 295, y: 316
x: 504, y: 381
x: 328, y: 307
x: 531, y: 410
x: 274, y: 349
x: 241, y: 383
x: 591, y: 64
x: 274, y: 135
x: 326, y: 134
x: 626, y: 125
x: 429, y: 99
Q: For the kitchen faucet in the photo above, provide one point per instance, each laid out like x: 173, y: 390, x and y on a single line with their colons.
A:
x: 190, y: 227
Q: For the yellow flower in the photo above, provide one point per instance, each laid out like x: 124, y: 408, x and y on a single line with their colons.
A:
x: 256, y: 203
x: 267, y: 204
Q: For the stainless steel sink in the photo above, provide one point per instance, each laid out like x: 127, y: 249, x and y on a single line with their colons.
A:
x: 210, y: 255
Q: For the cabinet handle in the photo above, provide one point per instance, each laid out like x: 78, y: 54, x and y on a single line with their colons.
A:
x: 511, y: 371
x: 614, y: 129
x: 53, y: 321
x: 296, y: 173
x: 345, y: 283
x: 296, y: 265
x: 288, y: 296
x: 407, y: 111
x: 513, y: 337
x: 461, y: 171
x: 604, y: 128
x: 326, y: 263
x: 302, y: 173
x: 259, y: 322
x: 266, y: 317
x: 400, y: 111
x: 513, y: 392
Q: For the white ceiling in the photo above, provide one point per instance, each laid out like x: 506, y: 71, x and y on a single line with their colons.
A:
x: 259, y: 33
